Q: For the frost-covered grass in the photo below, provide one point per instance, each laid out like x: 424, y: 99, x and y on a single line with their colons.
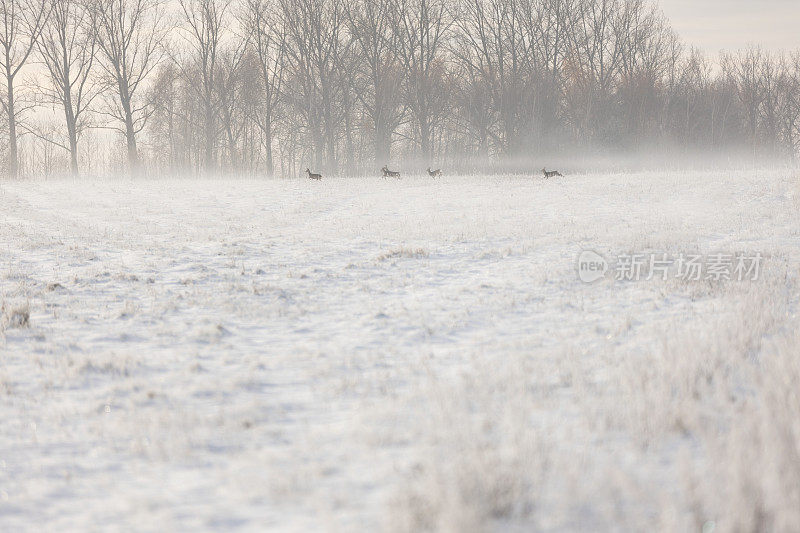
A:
x: 358, y: 355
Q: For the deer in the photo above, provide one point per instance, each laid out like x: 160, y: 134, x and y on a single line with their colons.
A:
x: 314, y: 176
x: 390, y: 173
x: 435, y: 173
x: 551, y: 173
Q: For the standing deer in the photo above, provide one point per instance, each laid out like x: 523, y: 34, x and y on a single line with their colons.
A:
x: 314, y: 176
x: 435, y: 173
x: 390, y: 173
x: 551, y: 173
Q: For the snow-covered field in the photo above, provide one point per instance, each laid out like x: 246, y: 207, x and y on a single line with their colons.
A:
x: 362, y: 355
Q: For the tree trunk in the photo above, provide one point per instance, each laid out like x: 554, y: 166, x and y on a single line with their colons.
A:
x: 210, y: 134
x: 13, y: 151
x: 483, y: 148
x: 330, y: 136
x: 348, y: 132
x: 382, y: 143
x: 425, y: 137
x: 130, y: 132
x: 233, y: 156
x: 72, y: 132
x: 319, y: 146
x: 170, y: 129
x: 509, y: 137
x: 130, y: 138
x: 268, y: 147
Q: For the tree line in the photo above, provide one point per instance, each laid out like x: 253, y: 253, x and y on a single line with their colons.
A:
x: 269, y: 87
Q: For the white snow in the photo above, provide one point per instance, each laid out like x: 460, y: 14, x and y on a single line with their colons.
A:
x: 368, y: 354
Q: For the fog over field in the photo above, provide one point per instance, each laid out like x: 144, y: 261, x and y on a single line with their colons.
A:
x: 398, y: 355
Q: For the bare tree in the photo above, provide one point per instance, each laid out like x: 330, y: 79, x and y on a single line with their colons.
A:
x: 688, y: 102
x: 268, y: 36
x: 492, y: 47
x: 314, y: 51
x: 593, y: 68
x: 67, y: 48
x: 790, y: 106
x: 164, y: 125
x: 422, y: 27
x: 744, y: 70
x: 204, y: 28
x: 548, y: 28
x: 647, y: 47
x: 474, y: 100
x: 372, y: 23
x: 231, y: 82
x: 22, y: 24
x: 772, y: 75
x: 129, y: 35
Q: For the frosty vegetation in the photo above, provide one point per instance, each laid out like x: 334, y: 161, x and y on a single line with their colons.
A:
x: 299, y: 356
x: 270, y: 87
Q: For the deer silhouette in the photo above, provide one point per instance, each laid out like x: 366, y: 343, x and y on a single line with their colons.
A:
x: 390, y: 173
x: 551, y: 173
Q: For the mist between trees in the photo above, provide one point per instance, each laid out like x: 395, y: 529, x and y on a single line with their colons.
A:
x: 270, y: 87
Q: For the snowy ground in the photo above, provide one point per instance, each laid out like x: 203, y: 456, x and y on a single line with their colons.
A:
x: 361, y: 355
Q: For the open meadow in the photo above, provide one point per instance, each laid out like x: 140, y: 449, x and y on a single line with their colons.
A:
x: 360, y: 354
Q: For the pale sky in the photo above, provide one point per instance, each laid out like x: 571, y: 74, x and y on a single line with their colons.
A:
x: 715, y: 25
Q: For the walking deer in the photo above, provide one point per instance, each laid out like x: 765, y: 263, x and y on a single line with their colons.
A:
x: 551, y: 173
x: 390, y: 173
x: 314, y: 176
x: 435, y: 173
